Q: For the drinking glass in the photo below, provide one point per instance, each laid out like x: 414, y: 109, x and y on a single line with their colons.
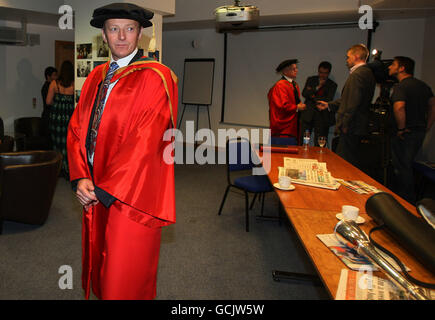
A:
x: 322, y: 142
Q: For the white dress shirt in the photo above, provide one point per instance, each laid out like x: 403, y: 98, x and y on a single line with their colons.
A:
x: 356, y: 67
x: 123, y: 62
x: 288, y: 79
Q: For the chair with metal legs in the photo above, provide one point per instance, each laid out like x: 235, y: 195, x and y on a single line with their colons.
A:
x: 281, y: 141
x: 239, y: 158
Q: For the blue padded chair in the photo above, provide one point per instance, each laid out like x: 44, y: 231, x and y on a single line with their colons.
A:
x: 280, y: 141
x: 239, y: 158
x: 290, y: 141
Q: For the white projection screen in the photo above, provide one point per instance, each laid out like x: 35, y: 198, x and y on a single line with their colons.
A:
x: 198, y: 81
x: 253, y: 57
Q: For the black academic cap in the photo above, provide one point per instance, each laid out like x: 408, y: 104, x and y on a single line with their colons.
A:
x: 121, y: 11
x: 286, y: 63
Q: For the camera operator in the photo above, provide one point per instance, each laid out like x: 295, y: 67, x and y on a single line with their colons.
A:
x: 414, y: 112
x: 353, y: 106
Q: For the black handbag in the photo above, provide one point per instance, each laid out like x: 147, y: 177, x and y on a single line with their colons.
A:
x: 413, y: 233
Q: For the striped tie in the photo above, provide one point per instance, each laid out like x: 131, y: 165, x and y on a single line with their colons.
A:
x: 99, y: 109
x: 296, y: 93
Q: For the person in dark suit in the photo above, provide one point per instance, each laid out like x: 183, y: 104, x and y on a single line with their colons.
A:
x: 317, y: 88
x: 353, y: 107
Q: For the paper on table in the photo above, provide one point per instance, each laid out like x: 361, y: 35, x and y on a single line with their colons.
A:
x: 350, y: 257
x: 358, y: 186
x: 364, y: 286
x: 308, y: 172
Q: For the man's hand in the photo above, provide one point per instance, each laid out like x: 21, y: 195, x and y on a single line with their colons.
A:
x: 401, y: 133
x: 85, y: 193
x: 321, y: 83
x: 339, y: 129
x: 301, y: 106
x: 322, y: 105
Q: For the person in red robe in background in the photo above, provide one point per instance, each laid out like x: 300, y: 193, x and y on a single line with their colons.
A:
x: 284, y: 101
x: 115, y: 151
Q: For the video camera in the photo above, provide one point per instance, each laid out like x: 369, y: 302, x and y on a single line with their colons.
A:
x: 382, y: 108
x: 379, y: 68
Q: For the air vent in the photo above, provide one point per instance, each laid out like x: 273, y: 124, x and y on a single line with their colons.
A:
x: 18, y: 37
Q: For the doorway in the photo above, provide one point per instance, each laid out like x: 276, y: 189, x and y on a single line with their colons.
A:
x: 64, y: 50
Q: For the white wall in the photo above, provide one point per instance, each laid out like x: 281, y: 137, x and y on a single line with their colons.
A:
x: 401, y: 38
x: 428, y: 73
x: 177, y: 47
x: 22, y: 73
x: 254, y: 56
x: 404, y: 37
x: 48, y: 6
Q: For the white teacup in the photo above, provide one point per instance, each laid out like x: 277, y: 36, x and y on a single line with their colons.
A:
x: 285, y: 182
x: 350, y: 213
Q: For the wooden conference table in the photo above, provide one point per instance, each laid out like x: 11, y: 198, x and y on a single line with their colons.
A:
x: 312, y: 211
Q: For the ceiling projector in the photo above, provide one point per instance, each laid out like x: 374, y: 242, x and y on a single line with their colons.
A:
x: 236, y: 17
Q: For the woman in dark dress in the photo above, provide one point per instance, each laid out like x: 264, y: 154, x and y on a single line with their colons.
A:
x: 61, y: 97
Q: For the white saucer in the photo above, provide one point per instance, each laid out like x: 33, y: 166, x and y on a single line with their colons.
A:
x: 276, y: 185
x: 358, y: 221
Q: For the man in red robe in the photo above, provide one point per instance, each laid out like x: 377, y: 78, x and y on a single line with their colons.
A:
x: 284, y: 101
x: 115, y: 153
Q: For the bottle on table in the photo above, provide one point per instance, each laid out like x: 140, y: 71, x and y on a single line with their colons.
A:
x: 307, y: 137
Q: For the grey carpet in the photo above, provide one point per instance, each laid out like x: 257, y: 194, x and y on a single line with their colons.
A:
x: 203, y: 256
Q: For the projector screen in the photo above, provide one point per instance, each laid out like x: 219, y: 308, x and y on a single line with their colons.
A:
x: 198, y: 81
x: 251, y: 72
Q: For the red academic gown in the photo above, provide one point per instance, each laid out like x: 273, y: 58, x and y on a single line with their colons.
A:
x: 282, y: 109
x: 121, y: 243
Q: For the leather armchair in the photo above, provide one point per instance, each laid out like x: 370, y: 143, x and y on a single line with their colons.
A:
x: 27, y: 185
x: 6, y: 142
x: 30, y: 135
